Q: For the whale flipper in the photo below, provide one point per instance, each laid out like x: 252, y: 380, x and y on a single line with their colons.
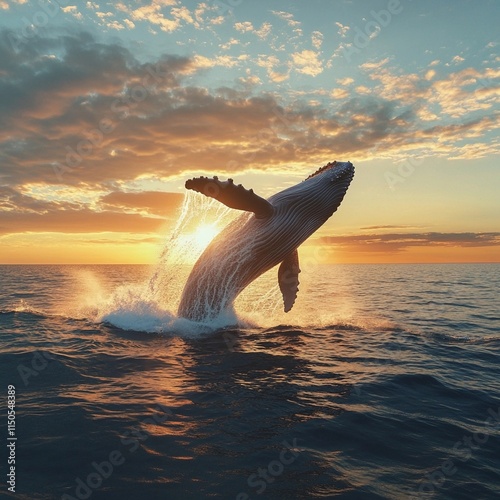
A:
x: 231, y: 195
x: 288, y: 279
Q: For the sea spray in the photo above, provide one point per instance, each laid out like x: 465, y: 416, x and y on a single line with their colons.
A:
x: 182, y: 248
x: 151, y: 305
x: 213, y: 281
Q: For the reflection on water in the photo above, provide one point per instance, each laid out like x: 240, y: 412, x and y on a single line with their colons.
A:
x: 371, y: 380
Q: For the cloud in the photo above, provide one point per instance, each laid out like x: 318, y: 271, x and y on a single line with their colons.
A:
x: 217, y: 20
x: 374, y: 65
x: 154, y: 14
x: 73, y: 10
x: 317, y: 39
x: 430, y: 74
x: 44, y: 114
x: 454, y: 96
x: 103, y: 15
x: 376, y: 32
x: 202, y: 62
x: 363, y: 90
x: 339, y: 94
x: 115, y: 25
x: 21, y: 214
x: 182, y: 13
x: 249, y: 81
x: 263, y: 31
x: 287, y: 17
x: 230, y: 43
x: 307, y: 62
x: 342, y: 31
x: 155, y: 203
x: 5, y: 5
x: 398, y: 242
x: 244, y: 27
x: 272, y: 64
x: 390, y: 226
x: 105, y: 20
x: 96, y: 116
x: 78, y: 112
x: 457, y: 95
x: 78, y: 221
x: 113, y: 212
x: 345, y: 81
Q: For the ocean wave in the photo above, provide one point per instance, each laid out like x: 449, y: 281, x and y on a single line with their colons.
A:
x: 26, y: 312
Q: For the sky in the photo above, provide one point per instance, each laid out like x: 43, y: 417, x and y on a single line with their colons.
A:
x: 106, y: 109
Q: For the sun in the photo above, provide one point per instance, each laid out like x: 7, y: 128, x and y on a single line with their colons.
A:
x: 204, y: 234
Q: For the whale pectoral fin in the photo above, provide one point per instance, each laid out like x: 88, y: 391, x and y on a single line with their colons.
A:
x: 231, y: 195
x: 288, y: 279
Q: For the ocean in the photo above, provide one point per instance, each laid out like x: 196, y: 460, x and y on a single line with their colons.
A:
x: 383, y: 382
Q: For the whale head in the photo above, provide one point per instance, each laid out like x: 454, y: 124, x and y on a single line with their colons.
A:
x: 327, y: 187
x: 319, y: 195
x: 310, y: 203
x: 333, y: 171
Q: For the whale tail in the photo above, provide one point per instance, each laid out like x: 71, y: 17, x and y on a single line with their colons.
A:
x: 231, y: 195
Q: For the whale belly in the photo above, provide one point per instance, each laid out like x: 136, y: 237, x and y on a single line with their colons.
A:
x: 229, y: 264
x: 244, y: 250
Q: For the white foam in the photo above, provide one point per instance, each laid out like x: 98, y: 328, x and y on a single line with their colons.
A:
x: 129, y: 308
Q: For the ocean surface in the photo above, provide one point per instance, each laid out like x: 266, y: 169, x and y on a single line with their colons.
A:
x: 383, y: 382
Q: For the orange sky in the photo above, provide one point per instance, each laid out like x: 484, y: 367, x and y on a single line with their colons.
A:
x: 103, y: 119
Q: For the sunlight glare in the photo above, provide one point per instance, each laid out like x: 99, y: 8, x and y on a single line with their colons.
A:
x: 204, y: 234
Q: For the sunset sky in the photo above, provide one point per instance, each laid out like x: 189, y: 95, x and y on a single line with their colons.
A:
x: 107, y: 108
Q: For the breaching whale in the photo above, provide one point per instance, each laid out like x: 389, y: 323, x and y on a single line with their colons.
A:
x: 267, y: 234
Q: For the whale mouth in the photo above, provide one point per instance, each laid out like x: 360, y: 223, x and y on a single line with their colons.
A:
x: 337, y: 168
x: 343, y: 171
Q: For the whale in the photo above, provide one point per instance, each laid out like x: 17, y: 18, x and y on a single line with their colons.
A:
x: 267, y: 233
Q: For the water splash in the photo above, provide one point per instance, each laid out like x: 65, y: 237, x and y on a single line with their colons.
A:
x: 182, y: 247
x: 151, y: 305
x: 24, y: 306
